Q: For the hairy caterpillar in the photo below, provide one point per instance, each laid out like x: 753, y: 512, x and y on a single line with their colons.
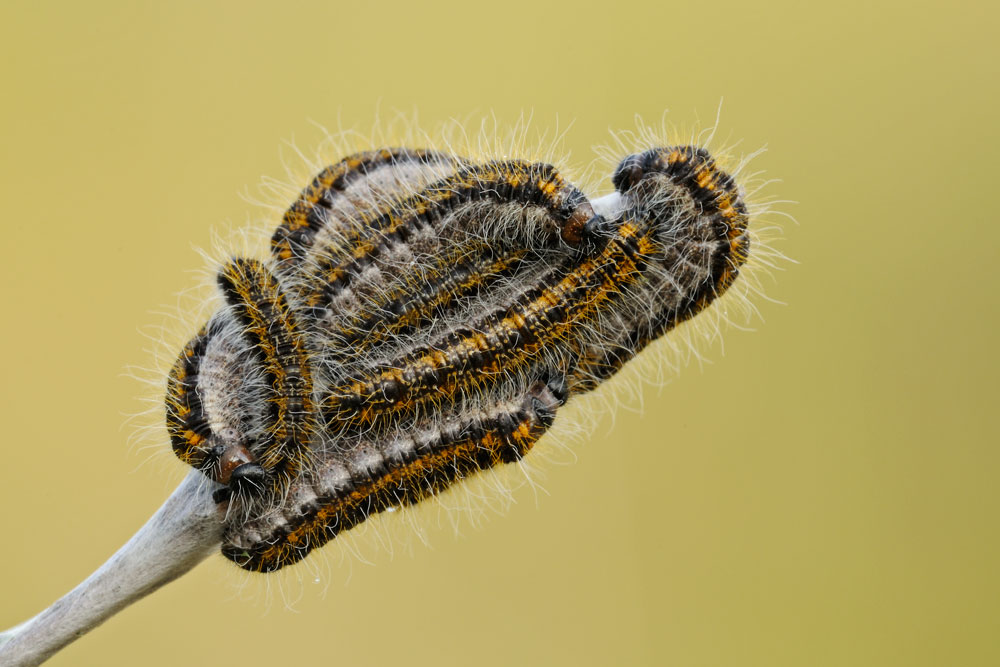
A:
x: 423, y: 317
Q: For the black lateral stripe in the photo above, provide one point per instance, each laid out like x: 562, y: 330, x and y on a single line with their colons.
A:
x: 513, y: 181
x: 504, y: 342
x: 186, y: 421
x: 722, y: 206
x: 429, y: 465
x: 422, y: 298
x: 306, y: 216
x: 694, y: 169
x: 272, y: 329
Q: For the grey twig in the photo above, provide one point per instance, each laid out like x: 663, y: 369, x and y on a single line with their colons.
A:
x: 182, y: 533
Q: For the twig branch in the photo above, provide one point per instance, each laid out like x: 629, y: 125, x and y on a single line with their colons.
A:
x: 182, y: 533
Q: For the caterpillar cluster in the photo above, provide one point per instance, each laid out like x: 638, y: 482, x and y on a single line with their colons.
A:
x: 423, y: 316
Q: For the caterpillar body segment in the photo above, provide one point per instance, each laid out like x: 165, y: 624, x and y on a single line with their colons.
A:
x: 186, y: 422
x: 514, y: 192
x: 427, y: 295
x: 273, y: 331
x: 204, y: 417
x: 328, y: 207
x: 694, y: 214
x: 511, y: 340
x: 396, y: 470
x: 421, y: 254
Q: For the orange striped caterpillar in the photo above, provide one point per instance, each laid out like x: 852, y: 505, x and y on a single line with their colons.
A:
x: 423, y: 317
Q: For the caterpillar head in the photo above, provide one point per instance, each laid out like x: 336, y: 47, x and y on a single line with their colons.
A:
x: 696, y: 209
x: 698, y: 220
x: 239, y: 398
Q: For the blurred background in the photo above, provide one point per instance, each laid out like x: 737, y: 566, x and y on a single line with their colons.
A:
x: 821, y: 491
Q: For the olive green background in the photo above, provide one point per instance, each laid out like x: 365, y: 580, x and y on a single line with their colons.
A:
x: 820, y: 492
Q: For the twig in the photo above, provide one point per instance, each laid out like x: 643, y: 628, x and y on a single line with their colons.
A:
x: 182, y: 533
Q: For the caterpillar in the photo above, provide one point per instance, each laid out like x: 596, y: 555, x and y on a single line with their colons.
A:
x: 422, y: 317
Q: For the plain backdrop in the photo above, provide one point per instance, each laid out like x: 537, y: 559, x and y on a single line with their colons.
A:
x: 820, y: 491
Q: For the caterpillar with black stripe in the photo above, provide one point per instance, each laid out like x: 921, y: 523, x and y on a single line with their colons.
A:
x: 423, y: 316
